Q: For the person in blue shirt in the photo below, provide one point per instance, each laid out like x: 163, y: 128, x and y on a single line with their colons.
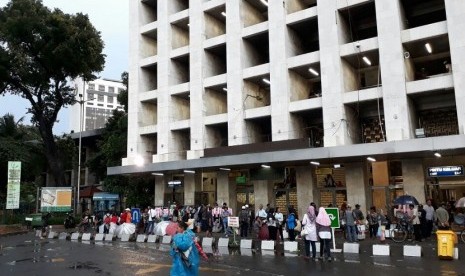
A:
x: 185, y: 255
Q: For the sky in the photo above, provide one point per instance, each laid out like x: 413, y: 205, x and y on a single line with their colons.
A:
x: 110, y: 17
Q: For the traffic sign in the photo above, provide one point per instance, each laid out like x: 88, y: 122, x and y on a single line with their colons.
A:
x: 333, y: 214
x: 135, y: 215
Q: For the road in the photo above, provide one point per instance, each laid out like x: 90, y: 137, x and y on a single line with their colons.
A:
x: 27, y: 255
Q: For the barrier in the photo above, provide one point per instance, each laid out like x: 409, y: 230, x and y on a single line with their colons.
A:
x: 246, y: 244
x: 351, y: 248
x: 223, y: 242
x: 381, y: 250
x: 125, y: 237
x: 141, y: 238
x: 166, y: 240
x: 267, y: 245
x: 152, y: 239
x: 207, y: 242
x: 52, y: 235
x: 99, y: 237
x: 75, y: 236
x: 63, y: 236
x: 412, y: 251
x: 291, y: 246
x: 86, y: 237
x: 108, y: 237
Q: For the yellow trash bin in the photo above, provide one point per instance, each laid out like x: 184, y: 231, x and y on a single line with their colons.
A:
x: 446, y: 241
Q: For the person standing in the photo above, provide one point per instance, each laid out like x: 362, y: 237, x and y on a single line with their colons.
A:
x: 323, y: 229
x: 442, y: 217
x: 224, y: 217
x: 185, y: 255
x: 309, y: 225
x: 429, y: 218
x: 271, y: 222
x: 422, y: 217
x: 349, y: 218
x: 244, y: 222
x: 291, y: 223
x: 373, y: 222
x: 416, y: 223
x: 279, y: 222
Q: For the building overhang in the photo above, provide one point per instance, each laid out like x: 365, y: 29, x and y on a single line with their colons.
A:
x: 403, y: 149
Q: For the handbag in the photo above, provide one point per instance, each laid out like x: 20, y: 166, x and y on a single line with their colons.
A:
x: 304, y: 231
x: 298, y: 226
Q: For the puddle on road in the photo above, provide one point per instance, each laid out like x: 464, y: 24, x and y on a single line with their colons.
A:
x: 86, y: 266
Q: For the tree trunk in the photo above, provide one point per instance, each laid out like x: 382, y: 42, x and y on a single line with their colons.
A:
x: 51, y: 152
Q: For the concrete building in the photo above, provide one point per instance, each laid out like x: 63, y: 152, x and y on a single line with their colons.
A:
x: 99, y: 98
x: 292, y: 101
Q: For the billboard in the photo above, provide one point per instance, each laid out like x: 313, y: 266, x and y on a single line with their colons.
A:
x: 14, y: 184
x: 55, y: 199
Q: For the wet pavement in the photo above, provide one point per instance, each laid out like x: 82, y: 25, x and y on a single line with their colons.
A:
x: 28, y: 255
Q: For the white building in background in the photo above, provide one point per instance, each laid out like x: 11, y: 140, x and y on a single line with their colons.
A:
x: 293, y: 101
x: 100, y: 99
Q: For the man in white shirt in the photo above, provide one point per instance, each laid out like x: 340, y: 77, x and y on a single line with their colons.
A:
x: 429, y: 218
x: 261, y: 213
x: 152, y: 217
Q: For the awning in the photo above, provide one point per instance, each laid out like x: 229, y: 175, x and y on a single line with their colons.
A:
x: 105, y: 196
x: 89, y: 191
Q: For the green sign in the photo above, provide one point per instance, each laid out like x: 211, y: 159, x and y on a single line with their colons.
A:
x: 241, y: 179
x: 333, y: 214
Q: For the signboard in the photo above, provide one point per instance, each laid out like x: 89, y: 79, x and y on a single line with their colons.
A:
x: 14, y: 184
x: 241, y: 179
x: 135, y: 215
x: 55, y: 199
x: 333, y: 214
x: 174, y: 183
x: 445, y: 171
x: 233, y: 222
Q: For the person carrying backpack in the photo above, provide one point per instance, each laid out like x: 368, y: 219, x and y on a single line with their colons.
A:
x: 291, y: 223
x: 244, y: 221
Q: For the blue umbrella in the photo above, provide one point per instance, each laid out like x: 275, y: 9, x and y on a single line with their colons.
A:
x: 406, y: 200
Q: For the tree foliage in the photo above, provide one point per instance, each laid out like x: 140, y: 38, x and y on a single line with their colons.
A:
x: 138, y: 190
x: 40, y: 51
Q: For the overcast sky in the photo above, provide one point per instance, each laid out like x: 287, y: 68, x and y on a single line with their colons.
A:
x: 110, y: 17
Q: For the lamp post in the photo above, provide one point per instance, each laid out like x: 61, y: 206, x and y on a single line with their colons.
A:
x: 81, y: 115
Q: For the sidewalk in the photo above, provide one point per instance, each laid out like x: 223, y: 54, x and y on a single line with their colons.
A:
x: 15, y: 229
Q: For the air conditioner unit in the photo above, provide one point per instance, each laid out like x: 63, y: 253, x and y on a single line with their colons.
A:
x: 420, y: 133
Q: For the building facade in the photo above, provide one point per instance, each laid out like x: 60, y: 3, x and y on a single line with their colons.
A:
x: 99, y: 99
x: 292, y: 101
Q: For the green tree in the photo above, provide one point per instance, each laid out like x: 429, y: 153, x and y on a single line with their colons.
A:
x: 40, y: 51
x: 137, y: 190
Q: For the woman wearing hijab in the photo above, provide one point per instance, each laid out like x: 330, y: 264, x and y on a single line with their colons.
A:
x: 309, y: 222
x: 324, y: 232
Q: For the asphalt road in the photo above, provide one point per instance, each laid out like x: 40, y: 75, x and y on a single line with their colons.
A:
x: 27, y: 255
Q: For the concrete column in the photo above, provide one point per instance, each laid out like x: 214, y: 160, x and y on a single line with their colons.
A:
x: 281, y: 123
x: 263, y: 192
x: 165, y: 143
x: 305, y: 188
x: 237, y: 133
x: 332, y: 78
x: 414, y: 178
x: 160, y: 187
x: 396, y: 108
x: 455, y: 10
x: 189, y: 188
x: 197, y: 108
x: 357, y: 189
x: 226, y: 190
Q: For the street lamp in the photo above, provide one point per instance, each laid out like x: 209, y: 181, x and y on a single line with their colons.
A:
x: 81, y: 115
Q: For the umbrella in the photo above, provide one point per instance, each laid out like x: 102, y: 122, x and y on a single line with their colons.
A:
x: 460, y: 203
x: 406, y: 200
x: 171, y: 229
x: 160, y: 229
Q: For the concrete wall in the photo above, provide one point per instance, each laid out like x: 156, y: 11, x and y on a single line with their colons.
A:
x: 215, y: 102
x: 414, y: 178
x: 213, y: 65
x: 306, y: 192
x: 249, y: 15
x: 263, y: 192
x: 160, y: 187
x: 149, y: 114
x: 148, y: 47
x: 356, y: 185
x: 226, y: 190
x: 455, y: 10
x: 298, y: 86
x: 213, y: 27
x: 392, y: 63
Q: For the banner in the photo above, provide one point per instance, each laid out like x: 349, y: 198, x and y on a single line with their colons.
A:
x: 55, y: 199
x: 14, y: 184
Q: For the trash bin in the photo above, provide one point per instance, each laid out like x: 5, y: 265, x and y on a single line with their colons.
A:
x: 446, y: 241
x: 36, y: 221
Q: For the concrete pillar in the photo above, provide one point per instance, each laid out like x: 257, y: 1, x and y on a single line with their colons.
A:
x: 455, y: 10
x: 160, y: 187
x: 237, y: 133
x: 197, y: 108
x: 396, y: 108
x: 305, y: 188
x: 281, y: 123
x: 189, y: 189
x: 414, y: 178
x: 357, y: 189
x: 226, y: 191
x: 263, y: 192
x: 332, y: 79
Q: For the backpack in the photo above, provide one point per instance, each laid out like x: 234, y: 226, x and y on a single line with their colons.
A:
x: 244, y: 216
x: 291, y: 221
